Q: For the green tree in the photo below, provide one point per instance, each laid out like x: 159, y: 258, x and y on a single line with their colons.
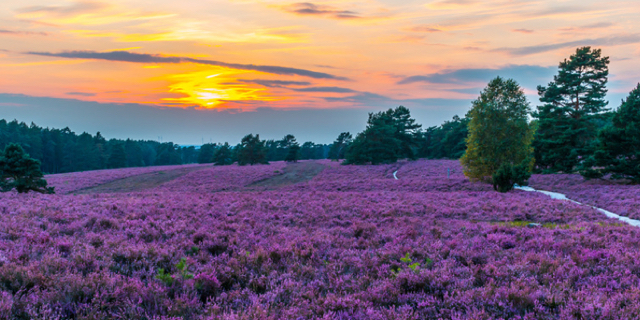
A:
x: 252, y: 151
x: 339, y: 147
x: 444, y: 141
x: 390, y: 135
x: 118, y: 156
x: 19, y: 171
x: 499, y: 134
x: 572, y: 107
x: 618, y: 151
x: 134, y: 153
x: 290, y: 144
x: 206, y: 153
x: 223, y: 155
x: 167, y: 154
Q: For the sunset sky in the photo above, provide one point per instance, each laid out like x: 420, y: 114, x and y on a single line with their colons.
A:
x: 191, y: 71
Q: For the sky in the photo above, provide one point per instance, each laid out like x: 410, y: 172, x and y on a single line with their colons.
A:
x: 199, y: 71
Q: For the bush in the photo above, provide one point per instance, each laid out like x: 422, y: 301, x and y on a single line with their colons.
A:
x: 509, y: 175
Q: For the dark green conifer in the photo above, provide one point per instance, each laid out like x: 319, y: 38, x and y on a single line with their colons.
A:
x: 19, y: 171
x: 573, y: 102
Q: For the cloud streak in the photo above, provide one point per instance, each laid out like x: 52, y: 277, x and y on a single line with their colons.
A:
x: 22, y: 33
x: 126, y: 56
x: 528, y: 76
x: 326, y: 89
x: 81, y: 94
x: 311, y: 9
x: 274, y: 83
x: 73, y: 9
x: 604, y: 41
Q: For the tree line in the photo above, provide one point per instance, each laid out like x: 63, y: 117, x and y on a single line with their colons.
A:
x: 502, y: 140
x: 62, y: 150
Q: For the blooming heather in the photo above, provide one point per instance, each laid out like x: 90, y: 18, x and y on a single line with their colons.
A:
x: 352, y: 243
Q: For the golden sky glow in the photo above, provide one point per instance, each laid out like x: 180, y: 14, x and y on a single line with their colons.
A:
x: 245, y: 54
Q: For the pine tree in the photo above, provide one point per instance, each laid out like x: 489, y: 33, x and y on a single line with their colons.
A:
x: 618, y: 151
x: 19, y: 171
x: 573, y: 101
x: 390, y: 135
x: 118, y: 156
x: 252, y: 151
x: 223, y: 155
x: 339, y: 147
x: 290, y: 144
x: 206, y: 153
x: 499, y: 134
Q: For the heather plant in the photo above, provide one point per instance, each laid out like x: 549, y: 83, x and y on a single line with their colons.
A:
x: 311, y: 251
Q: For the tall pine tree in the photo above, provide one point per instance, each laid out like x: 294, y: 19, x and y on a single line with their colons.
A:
x: 573, y: 101
x: 618, y: 151
x: 390, y: 135
x: 252, y: 151
x: 223, y: 155
x: 290, y: 144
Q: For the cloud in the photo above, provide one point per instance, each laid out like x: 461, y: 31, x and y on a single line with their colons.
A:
x: 604, y: 41
x: 361, y: 98
x: 523, y: 30
x: 22, y: 33
x: 274, y: 83
x: 425, y: 28
x: 597, y: 25
x: 83, y: 94
x: 528, y: 76
x: 311, y: 9
x: 79, y: 7
x: 325, y: 89
x: 451, y: 4
x: 126, y: 56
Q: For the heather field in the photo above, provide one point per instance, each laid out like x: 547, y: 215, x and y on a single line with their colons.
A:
x: 316, y: 240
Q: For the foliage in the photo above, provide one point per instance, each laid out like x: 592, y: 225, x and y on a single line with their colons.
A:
x: 118, y: 156
x: 223, y: 155
x: 314, y: 251
x: 290, y: 144
x: 339, y: 147
x: 572, y: 108
x: 499, y: 134
x: 390, y: 135
x: 183, y: 273
x: 21, y: 172
x: 61, y: 150
x: 206, y: 153
x: 251, y: 151
x: 509, y: 175
x: 313, y: 151
x: 618, y: 151
x: 446, y: 141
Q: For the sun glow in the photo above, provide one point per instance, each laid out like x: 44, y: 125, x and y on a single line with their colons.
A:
x: 209, y: 90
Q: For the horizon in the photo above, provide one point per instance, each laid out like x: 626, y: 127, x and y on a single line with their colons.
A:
x: 216, y: 72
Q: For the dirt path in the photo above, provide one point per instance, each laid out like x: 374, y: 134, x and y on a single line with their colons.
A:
x: 293, y: 173
x: 140, y: 182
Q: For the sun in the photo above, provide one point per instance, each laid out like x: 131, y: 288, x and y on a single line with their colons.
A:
x: 214, y: 87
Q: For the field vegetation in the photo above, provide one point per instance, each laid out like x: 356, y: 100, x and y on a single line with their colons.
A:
x: 350, y: 243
